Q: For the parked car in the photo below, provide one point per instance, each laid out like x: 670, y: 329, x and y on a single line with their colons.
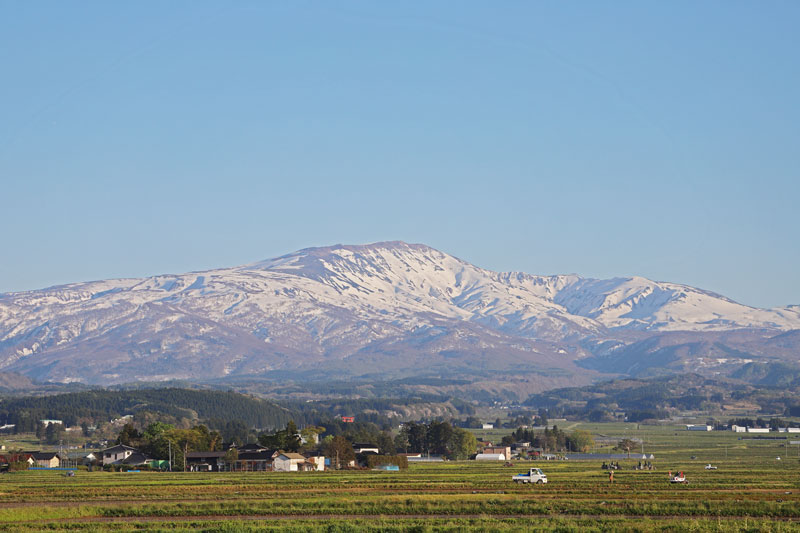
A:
x: 534, y: 475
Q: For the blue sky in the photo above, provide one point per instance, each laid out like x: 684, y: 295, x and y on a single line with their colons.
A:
x: 602, y: 138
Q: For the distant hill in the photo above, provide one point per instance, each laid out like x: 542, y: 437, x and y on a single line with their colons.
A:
x: 103, y: 405
x: 11, y: 381
x: 661, y: 397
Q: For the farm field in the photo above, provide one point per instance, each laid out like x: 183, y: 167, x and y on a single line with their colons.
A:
x: 751, y: 491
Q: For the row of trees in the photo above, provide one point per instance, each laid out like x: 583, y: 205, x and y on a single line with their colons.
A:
x: 772, y: 423
x: 552, y: 440
x: 166, y: 442
x: 436, y: 437
x: 50, y: 433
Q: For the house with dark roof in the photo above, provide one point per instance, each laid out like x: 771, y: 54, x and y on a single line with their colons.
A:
x: 252, y: 447
x: 206, y: 461
x: 135, y: 459
x: 46, y: 459
x: 260, y: 461
x: 362, y: 447
x: 117, y: 454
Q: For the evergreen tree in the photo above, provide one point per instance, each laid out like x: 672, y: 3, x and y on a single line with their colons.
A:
x: 340, y: 451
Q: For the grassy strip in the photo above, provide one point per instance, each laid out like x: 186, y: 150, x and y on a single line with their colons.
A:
x: 392, y: 525
x: 460, y: 505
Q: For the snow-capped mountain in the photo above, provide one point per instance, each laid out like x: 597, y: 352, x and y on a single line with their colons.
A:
x: 385, y: 309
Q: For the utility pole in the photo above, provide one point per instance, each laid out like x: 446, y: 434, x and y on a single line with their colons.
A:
x: 169, y: 456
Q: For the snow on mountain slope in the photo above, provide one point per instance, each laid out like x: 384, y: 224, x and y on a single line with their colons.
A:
x: 334, y: 303
x: 638, y: 303
x: 412, y: 278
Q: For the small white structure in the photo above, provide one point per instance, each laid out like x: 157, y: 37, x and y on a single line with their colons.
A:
x: 318, y: 461
x: 738, y: 429
x: 699, y: 427
x: 287, y: 462
x: 792, y: 430
x: 487, y: 426
x: 757, y: 430
x: 490, y: 457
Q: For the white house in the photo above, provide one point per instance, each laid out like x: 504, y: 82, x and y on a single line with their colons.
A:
x: 116, y: 453
x: 738, y: 429
x: 288, y: 462
x: 488, y: 426
x: 46, y: 459
x: 490, y: 457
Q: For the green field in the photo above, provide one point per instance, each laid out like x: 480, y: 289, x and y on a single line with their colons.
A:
x: 751, y: 491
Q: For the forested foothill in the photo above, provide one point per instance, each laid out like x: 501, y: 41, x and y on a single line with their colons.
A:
x: 101, y: 414
x: 637, y: 400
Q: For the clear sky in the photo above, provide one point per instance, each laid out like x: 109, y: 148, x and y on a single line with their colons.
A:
x: 659, y: 139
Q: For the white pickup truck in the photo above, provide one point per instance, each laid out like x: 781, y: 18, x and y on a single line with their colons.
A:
x: 534, y: 475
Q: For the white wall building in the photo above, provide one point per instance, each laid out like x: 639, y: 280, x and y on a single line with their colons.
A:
x: 490, y: 457
x: 117, y: 453
x: 287, y: 462
x: 318, y: 462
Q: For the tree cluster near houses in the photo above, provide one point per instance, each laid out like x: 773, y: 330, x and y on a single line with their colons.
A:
x: 163, y: 446
x: 517, y: 418
x: 548, y: 440
x: 437, y: 438
x: 13, y: 461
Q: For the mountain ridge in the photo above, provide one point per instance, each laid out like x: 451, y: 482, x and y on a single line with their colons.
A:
x: 401, y: 308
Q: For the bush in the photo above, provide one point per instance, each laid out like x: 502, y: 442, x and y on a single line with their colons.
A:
x: 16, y: 466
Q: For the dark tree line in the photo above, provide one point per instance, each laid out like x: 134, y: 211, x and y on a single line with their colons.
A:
x: 102, y: 405
x: 436, y: 437
x: 551, y: 440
